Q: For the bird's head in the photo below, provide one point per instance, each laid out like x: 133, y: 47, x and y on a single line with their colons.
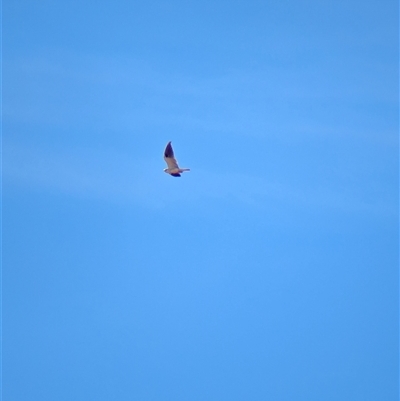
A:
x: 165, y: 170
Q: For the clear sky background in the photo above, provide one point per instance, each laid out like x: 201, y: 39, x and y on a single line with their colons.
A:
x: 270, y: 271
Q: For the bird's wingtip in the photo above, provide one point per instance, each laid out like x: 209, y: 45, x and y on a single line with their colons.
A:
x: 168, y: 152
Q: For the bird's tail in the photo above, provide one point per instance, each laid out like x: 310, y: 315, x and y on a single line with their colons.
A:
x: 184, y: 169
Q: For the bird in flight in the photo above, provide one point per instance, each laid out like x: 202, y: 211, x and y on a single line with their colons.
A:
x: 172, y: 164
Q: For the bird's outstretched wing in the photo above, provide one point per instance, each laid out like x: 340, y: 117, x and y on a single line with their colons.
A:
x: 169, y: 157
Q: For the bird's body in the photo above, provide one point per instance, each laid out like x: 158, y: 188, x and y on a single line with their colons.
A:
x: 173, y: 168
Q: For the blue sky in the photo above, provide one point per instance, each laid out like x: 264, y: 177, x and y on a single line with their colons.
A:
x: 270, y: 271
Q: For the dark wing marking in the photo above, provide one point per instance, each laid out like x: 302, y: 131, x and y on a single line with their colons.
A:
x: 176, y: 175
x: 168, y: 152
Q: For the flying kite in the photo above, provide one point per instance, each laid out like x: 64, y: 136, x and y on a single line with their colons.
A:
x: 173, y: 168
